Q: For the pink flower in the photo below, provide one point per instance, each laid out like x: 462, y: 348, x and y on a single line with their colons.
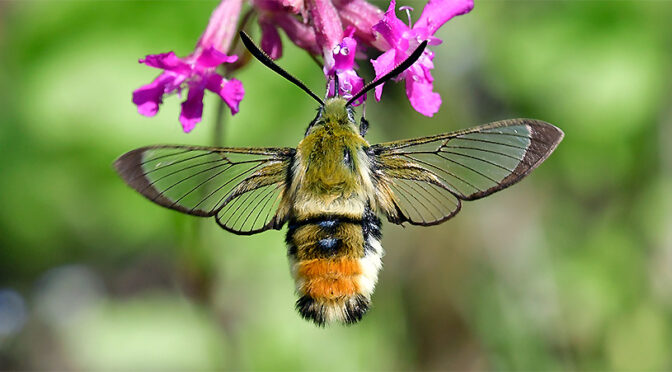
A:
x: 196, y: 72
x: 290, y: 6
x: 299, y: 33
x: 326, y: 24
x: 361, y: 15
x: 338, y: 52
x: 404, y: 39
x: 342, y: 66
x: 222, y: 26
x: 271, y: 43
x: 294, y: 6
x: 280, y: 14
x: 316, y: 26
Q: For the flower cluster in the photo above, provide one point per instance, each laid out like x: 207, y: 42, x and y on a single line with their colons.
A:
x: 336, y: 32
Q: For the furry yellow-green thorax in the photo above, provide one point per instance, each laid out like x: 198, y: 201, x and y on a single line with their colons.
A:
x: 331, y: 151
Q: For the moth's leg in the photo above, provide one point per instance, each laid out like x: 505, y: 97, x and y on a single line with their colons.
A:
x: 330, y: 79
x: 363, y: 123
x: 363, y: 126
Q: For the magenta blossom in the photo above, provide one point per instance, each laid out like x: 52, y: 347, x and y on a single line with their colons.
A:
x: 316, y: 26
x: 341, y: 65
x: 326, y: 23
x: 271, y: 43
x: 360, y: 15
x: 404, y: 39
x: 196, y: 72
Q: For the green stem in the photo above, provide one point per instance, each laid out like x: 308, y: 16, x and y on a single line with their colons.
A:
x: 218, y: 131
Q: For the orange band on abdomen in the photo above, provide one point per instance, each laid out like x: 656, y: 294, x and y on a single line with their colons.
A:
x: 330, y: 287
x: 342, y: 267
x: 329, y: 278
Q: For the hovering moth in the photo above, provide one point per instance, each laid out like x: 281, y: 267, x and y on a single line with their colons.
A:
x: 331, y: 189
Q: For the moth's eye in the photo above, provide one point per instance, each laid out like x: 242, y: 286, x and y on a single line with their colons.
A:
x: 347, y: 159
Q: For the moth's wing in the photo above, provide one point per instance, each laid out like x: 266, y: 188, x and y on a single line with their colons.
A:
x: 428, y: 177
x: 241, y: 187
x: 409, y: 192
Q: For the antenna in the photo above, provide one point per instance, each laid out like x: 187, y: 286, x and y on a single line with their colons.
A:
x: 395, y: 71
x: 268, y: 62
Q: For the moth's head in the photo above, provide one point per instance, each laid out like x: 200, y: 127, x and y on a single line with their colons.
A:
x: 335, y: 113
x: 336, y: 109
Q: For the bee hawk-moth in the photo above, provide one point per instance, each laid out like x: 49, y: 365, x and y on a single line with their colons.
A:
x: 333, y: 187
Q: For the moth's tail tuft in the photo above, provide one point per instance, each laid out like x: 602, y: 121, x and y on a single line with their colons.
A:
x: 347, y: 310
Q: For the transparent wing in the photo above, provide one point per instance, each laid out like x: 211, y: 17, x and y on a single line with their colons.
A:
x: 463, y: 165
x: 252, y: 206
x: 417, y: 194
x: 245, y: 185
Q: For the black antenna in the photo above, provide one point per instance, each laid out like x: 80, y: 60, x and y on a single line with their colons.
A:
x: 395, y: 71
x: 266, y: 60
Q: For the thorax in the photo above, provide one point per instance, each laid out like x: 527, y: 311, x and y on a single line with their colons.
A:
x: 331, y: 172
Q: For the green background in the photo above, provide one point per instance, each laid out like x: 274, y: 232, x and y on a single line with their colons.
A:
x: 569, y: 270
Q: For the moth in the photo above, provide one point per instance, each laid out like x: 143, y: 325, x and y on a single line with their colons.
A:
x: 331, y: 189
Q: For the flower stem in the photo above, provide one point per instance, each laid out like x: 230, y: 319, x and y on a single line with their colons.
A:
x: 218, y: 131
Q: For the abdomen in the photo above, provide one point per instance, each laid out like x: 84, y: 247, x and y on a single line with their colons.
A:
x: 335, y: 261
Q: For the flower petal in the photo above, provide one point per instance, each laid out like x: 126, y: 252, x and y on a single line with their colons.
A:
x: 231, y: 91
x: 392, y: 29
x: 344, y: 54
x: 166, y: 61
x: 326, y: 23
x: 211, y: 57
x: 270, y: 39
x: 349, y: 85
x: 150, y: 96
x: 222, y: 26
x: 419, y: 93
x: 192, y: 109
x: 382, y: 65
x: 294, y: 6
x: 361, y: 15
x: 299, y: 33
x: 438, y: 12
x: 268, y: 6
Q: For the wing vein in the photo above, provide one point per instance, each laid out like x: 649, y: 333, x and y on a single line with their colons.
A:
x: 270, y: 192
x: 445, y: 171
x: 167, y: 155
x: 181, y: 170
x: 470, y: 168
x: 483, y: 150
x: 404, y: 194
x: 480, y: 159
x: 405, y: 191
x: 182, y: 180
x: 226, y: 183
x: 526, y: 148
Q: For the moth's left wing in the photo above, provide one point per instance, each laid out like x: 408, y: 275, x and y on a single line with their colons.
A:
x: 241, y: 187
x: 423, y: 180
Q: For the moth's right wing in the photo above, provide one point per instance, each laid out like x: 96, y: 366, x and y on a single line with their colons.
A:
x: 241, y: 187
x: 423, y: 180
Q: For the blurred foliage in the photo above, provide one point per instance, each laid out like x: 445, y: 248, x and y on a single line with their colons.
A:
x: 569, y: 270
